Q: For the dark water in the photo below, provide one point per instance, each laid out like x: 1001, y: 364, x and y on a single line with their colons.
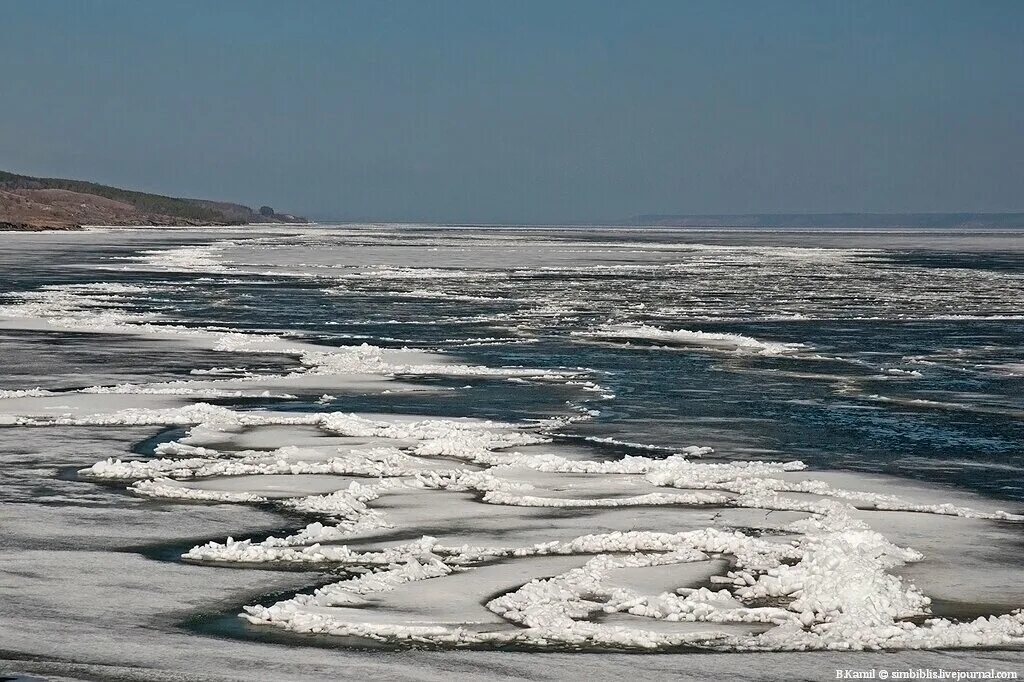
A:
x: 952, y: 412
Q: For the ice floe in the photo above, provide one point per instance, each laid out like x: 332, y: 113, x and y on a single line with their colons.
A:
x: 824, y: 580
x: 684, y: 338
x: 474, y: 532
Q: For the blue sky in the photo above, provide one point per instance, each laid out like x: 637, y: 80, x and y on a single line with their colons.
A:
x: 524, y: 111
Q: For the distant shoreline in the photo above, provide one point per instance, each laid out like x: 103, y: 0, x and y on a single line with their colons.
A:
x: 21, y: 227
x: 865, y: 229
x: 938, y: 221
x: 30, y: 203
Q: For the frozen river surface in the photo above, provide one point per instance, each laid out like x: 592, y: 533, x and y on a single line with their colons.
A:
x: 404, y: 452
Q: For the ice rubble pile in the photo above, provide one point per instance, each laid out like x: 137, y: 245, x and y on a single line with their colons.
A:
x: 818, y: 578
x: 825, y: 581
x: 684, y: 338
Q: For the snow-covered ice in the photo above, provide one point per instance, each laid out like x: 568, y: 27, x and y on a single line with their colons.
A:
x: 475, y: 532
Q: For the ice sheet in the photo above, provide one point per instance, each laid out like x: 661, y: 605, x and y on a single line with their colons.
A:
x: 475, y: 532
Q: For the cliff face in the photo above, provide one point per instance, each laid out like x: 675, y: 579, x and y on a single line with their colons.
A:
x: 30, y: 203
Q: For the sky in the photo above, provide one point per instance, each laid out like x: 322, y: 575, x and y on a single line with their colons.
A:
x: 552, y: 111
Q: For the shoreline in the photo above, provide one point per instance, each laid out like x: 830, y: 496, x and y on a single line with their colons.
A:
x: 27, y: 227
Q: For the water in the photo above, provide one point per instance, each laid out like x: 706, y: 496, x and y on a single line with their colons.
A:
x: 861, y: 308
x: 896, y: 353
